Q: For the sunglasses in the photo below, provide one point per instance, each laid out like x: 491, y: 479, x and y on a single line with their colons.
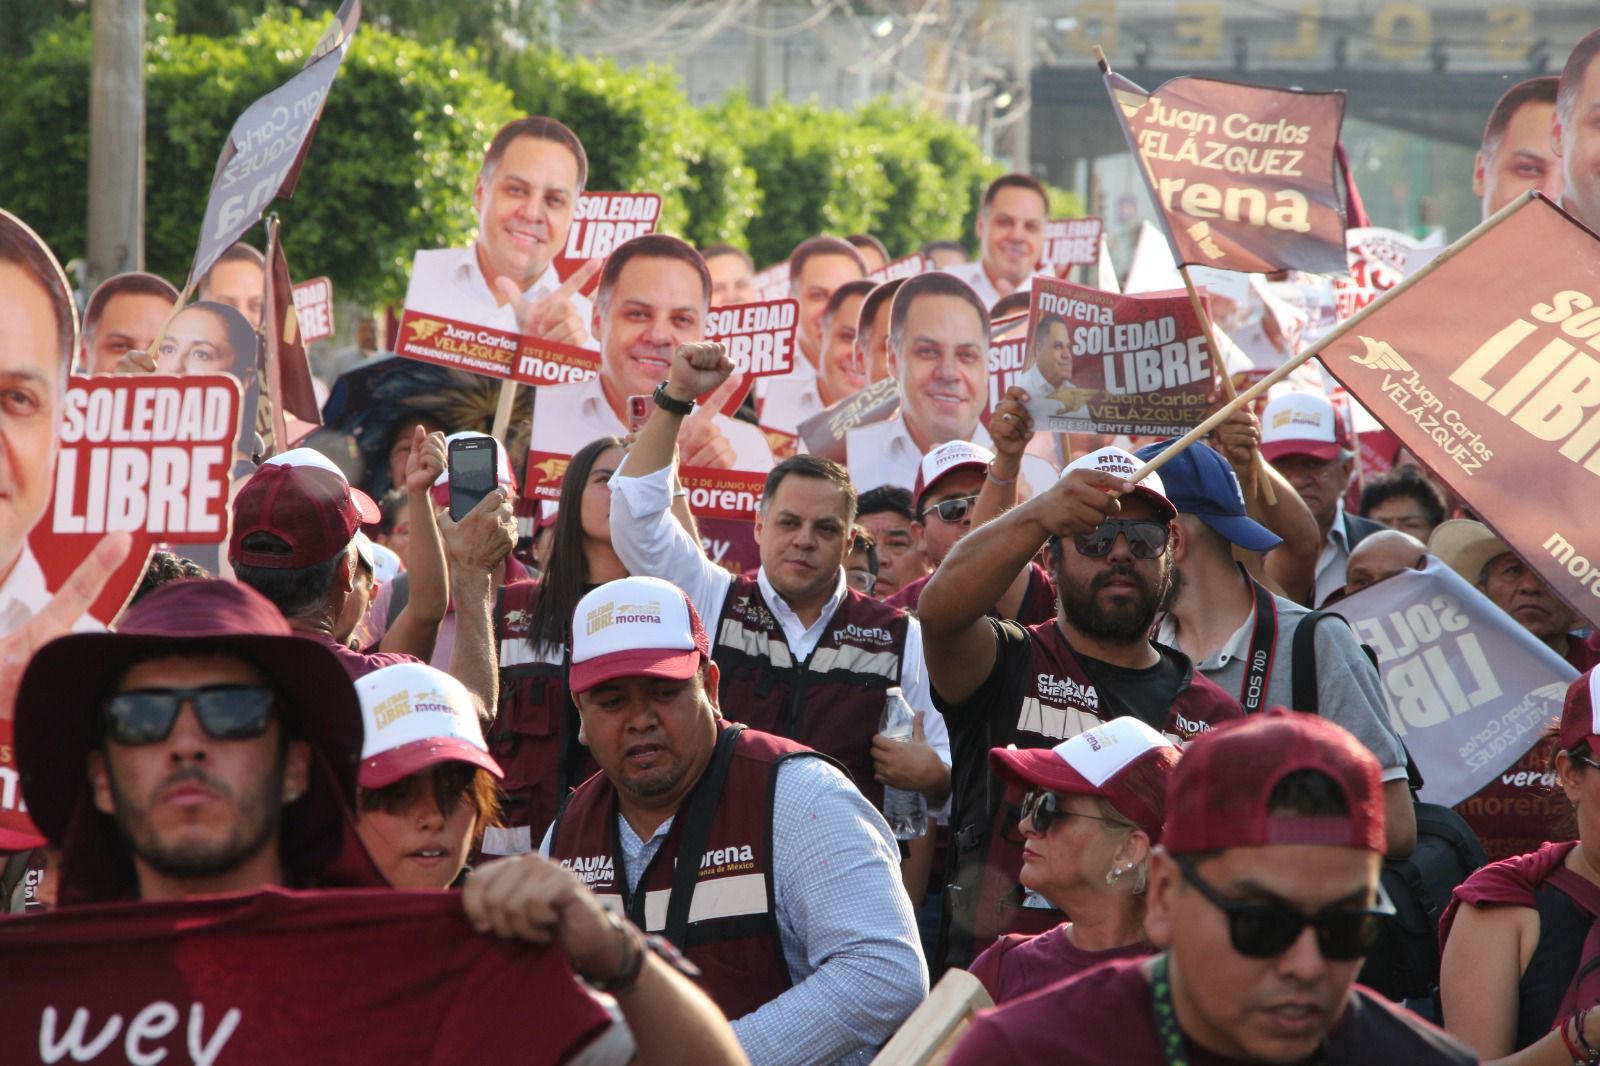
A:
x: 1267, y: 930
x: 1146, y: 539
x: 1043, y: 808
x: 952, y: 510
x: 863, y: 581
x: 226, y: 712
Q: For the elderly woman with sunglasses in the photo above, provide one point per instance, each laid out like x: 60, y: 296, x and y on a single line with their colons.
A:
x: 1092, y: 813
x: 1520, y: 973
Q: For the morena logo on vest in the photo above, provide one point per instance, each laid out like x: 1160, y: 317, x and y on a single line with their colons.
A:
x: 876, y: 634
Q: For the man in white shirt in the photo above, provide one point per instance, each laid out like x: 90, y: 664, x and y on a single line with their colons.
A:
x: 841, y: 372
x: 1010, y: 231
x: 653, y: 296
x: 817, y: 267
x: 532, y: 176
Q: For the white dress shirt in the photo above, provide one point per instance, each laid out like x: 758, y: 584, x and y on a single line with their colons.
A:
x: 649, y: 540
x: 566, y: 417
x: 789, y: 402
x: 974, y: 275
x: 448, y: 282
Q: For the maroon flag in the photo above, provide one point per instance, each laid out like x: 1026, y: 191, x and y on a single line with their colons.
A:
x: 1486, y: 365
x: 288, y: 369
x: 1243, y: 176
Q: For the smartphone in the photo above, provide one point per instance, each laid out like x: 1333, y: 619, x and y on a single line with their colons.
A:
x: 639, y: 407
x: 472, y: 465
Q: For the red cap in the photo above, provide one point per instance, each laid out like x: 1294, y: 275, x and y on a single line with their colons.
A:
x: 944, y: 460
x: 313, y: 510
x: 1219, y: 796
x: 1110, y: 761
x: 1578, y: 714
x: 1302, y: 423
x: 635, y: 627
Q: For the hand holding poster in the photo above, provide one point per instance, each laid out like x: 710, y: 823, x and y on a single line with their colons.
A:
x: 1070, y: 242
x: 1097, y: 362
x: 1469, y: 689
x: 1242, y: 176
x: 268, y: 143
x: 1486, y: 366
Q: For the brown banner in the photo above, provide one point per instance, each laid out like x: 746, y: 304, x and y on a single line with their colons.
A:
x: 1243, y: 176
x: 1488, y: 368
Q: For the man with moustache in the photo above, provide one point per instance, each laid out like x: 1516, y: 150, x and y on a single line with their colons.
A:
x: 1010, y: 230
x: 653, y: 296
x: 524, y: 195
x: 999, y: 682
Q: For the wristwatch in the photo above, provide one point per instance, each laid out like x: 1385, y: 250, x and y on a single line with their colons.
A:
x: 670, y: 403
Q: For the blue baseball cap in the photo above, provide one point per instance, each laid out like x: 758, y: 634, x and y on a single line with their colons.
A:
x: 1200, y: 482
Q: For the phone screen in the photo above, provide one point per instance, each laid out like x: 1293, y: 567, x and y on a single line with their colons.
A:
x: 639, y: 410
x: 472, y: 473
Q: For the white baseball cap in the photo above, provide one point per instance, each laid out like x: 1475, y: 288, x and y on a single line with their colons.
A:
x: 311, y: 457
x: 413, y: 717
x: 1122, y: 464
x: 946, y: 459
x: 1301, y: 423
x: 635, y: 627
x: 386, y: 565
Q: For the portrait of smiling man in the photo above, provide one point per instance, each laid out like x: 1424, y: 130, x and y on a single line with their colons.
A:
x: 524, y: 197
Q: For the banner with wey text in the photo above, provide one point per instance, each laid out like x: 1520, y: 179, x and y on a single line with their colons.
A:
x: 1488, y: 369
x: 1469, y: 689
x: 1243, y: 177
x: 1098, y: 362
x: 600, y: 222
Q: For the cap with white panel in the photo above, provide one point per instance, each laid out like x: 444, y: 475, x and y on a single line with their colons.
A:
x: 413, y: 717
x: 1123, y: 464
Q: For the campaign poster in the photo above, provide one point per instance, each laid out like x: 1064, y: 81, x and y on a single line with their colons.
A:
x: 824, y: 433
x: 600, y: 222
x: 268, y: 143
x: 1243, y: 177
x: 313, y: 306
x: 494, y: 353
x: 1469, y: 690
x: 1098, y: 362
x: 1070, y: 242
x: 904, y: 267
x: 1486, y: 367
x: 760, y: 338
x: 1008, y: 357
x: 724, y: 504
x: 772, y: 283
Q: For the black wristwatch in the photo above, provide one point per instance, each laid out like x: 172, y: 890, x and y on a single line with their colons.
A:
x: 671, y: 404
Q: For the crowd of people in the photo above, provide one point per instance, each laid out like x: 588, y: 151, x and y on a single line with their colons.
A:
x: 1155, y: 822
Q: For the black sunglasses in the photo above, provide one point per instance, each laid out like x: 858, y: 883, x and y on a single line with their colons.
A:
x: 226, y: 712
x: 1043, y: 808
x: 952, y: 510
x: 1146, y: 539
x: 1267, y: 930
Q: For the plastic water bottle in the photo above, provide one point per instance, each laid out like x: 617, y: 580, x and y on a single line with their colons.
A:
x: 906, y: 812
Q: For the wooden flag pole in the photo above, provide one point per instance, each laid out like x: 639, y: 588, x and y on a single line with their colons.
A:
x: 502, y: 410
x: 1349, y: 324
x: 1263, y: 482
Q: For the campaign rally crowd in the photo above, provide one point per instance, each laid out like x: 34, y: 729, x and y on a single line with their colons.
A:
x: 422, y: 764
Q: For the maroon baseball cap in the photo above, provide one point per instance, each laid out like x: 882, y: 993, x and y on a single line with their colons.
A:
x: 1220, y: 796
x: 1106, y: 761
x: 1579, y: 721
x: 945, y: 460
x: 304, y: 500
x: 1302, y: 423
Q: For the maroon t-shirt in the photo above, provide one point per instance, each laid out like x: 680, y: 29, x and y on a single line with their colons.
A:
x: 280, y: 978
x: 359, y: 664
x: 1038, y: 603
x: 1017, y: 964
x: 1584, y: 653
x: 1103, y: 1018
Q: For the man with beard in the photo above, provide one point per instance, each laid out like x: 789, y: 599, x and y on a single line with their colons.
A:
x: 1241, y: 636
x: 999, y: 683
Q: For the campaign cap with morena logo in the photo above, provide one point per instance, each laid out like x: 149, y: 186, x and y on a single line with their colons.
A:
x: 944, y: 460
x: 635, y: 627
x: 414, y: 716
x: 1302, y: 423
x: 1123, y: 464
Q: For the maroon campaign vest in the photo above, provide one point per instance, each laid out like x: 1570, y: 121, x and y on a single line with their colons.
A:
x: 834, y: 701
x: 1059, y: 701
x: 709, y: 888
x: 534, y: 737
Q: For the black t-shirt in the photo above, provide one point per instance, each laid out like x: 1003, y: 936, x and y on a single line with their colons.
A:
x: 988, y: 717
x: 1562, y: 929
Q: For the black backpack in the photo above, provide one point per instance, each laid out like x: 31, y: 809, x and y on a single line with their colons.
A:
x: 1403, y: 964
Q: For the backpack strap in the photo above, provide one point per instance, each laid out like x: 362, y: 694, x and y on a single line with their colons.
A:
x: 698, y: 814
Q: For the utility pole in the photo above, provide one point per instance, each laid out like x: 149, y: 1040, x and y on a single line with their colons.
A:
x: 116, y: 139
x: 1020, y: 131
